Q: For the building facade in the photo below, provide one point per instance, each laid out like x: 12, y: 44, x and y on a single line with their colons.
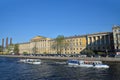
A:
x: 116, y: 37
x: 103, y: 41
x: 100, y: 41
x: 76, y: 44
x: 42, y: 45
x: 24, y: 47
x: 38, y: 44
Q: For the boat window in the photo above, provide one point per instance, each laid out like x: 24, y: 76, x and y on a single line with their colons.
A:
x: 74, y: 62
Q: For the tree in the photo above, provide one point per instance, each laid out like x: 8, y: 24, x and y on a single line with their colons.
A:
x: 10, y: 48
x: 88, y: 52
x: 16, y: 49
x: 35, y: 49
x: 59, y: 44
x: 1, y: 49
x: 25, y: 53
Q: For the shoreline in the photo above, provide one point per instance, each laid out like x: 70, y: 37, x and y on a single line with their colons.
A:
x: 105, y: 59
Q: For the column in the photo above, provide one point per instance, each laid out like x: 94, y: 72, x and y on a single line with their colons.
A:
x: 108, y: 39
x: 104, y: 39
x: 118, y: 41
x: 100, y: 40
x: 92, y: 40
x: 88, y: 41
x: 97, y: 40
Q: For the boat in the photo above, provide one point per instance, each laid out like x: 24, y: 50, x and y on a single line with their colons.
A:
x: 84, y: 63
x: 31, y: 61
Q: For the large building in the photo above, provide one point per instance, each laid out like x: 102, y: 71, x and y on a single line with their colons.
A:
x: 42, y: 45
x: 100, y: 41
x: 76, y: 44
x: 116, y: 37
x: 38, y: 44
x: 103, y: 41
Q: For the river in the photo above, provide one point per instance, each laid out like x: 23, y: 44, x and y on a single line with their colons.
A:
x: 11, y: 69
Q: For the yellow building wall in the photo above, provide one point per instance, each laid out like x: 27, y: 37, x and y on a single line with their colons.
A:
x: 24, y: 47
x: 76, y: 45
x: 44, y: 45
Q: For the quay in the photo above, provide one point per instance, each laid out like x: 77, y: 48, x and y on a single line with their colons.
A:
x: 105, y: 59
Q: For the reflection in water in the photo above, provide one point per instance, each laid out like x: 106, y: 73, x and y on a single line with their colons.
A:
x: 114, y: 71
x: 10, y: 69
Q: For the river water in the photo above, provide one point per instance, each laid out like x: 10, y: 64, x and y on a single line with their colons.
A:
x: 11, y: 69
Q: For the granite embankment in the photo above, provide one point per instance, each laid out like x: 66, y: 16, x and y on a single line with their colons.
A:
x: 108, y: 59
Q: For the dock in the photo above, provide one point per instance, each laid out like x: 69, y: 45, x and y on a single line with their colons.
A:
x: 106, y: 59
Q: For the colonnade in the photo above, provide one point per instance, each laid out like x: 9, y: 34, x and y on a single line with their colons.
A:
x: 98, y: 40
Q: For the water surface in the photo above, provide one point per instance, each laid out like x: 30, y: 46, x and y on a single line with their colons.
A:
x: 11, y: 69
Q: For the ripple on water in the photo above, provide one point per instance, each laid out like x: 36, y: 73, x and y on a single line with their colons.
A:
x: 10, y: 69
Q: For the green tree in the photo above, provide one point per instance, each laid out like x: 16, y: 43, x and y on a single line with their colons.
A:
x: 88, y: 52
x: 16, y: 49
x: 1, y: 49
x: 59, y: 44
x: 25, y: 53
x: 10, y: 48
x: 34, y: 50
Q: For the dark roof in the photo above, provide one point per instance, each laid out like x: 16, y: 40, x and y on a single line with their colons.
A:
x: 100, y: 33
x: 76, y: 36
x: 24, y: 43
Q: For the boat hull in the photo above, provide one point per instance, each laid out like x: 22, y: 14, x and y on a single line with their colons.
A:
x: 31, y: 61
x: 81, y: 63
x: 101, y: 66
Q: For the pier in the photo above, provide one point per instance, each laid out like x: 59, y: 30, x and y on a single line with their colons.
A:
x: 106, y: 59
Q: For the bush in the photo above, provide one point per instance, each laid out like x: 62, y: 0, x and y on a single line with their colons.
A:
x: 88, y: 52
x: 25, y: 53
x: 102, y: 54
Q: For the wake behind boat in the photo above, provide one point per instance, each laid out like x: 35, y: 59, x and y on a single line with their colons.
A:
x: 31, y: 61
x: 82, y: 63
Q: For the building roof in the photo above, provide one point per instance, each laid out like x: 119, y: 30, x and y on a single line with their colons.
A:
x: 24, y: 43
x: 99, y: 33
x: 38, y: 38
x: 116, y: 27
x: 76, y: 36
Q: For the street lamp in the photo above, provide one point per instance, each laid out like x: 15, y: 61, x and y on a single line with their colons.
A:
x: 107, y: 52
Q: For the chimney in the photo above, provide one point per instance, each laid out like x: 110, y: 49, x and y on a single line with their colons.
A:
x: 10, y: 41
x: 2, y: 43
x: 6, y: 42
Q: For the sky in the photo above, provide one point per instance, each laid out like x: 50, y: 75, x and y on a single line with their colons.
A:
x: 22, y: 20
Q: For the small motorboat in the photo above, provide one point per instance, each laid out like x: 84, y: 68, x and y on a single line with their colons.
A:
x: 31, y: 61
x: 82, y: 63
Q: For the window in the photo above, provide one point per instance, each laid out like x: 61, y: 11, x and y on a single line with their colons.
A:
x: 80, y: 39
x: 77, y: 44
x: 76, y: 39
x: 80, y: 43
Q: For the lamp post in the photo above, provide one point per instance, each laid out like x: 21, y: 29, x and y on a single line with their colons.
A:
x: 107, y: 52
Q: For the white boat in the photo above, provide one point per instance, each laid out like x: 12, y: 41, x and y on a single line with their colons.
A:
x: 31, y: 61
x: 82, y: 63
x: 22, y: 60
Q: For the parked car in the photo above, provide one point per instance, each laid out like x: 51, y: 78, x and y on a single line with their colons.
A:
x: 111, y: 55
x: 117, y: 56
